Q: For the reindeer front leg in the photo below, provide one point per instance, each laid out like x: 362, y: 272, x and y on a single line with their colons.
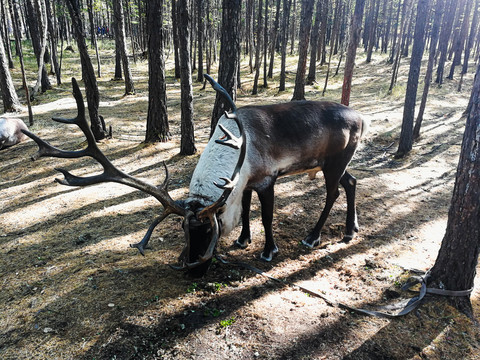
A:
x: 245, y: 237
x: 267, y: 201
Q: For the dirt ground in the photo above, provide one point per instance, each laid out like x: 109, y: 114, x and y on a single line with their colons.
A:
x: 73, y: 289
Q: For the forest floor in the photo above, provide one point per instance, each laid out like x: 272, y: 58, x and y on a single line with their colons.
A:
x: 72, y: 288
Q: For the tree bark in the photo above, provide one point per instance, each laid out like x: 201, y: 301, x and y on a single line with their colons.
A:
x: 157, y: 117
x: 305, y: 27
x: 6, y: 34
x: 187, y: 143
x: 265, y: 45
x: 431, y: 59
x: 274, y: 39
x: 175, y: 39
x: 469, y: 45
x: 312, y: 69
x: 373, y: 31
x: 284, y: 29
x: 16, y: 29
x: 229, y: 58
x: 121, y: 43
x: 406, y: 134
x: 39, y: 40
x: 455, y: 266
x: 406, y: 10
x: 258, y: 58
x: 88, y: 73
x: 52, y: 29
x: 200, y: 37
x: 333, y: 37
x: 459, y: 43
x: 9, y: 95
x: 356, y: 28
x: 93, y: 35
x: 445, y: 33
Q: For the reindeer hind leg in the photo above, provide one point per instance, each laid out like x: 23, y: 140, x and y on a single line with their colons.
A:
x: 349, y: 184
x: 332, y: 175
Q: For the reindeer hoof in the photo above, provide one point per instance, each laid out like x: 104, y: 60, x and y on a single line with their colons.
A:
x: 308, y: 242
x: 270, y: 255
x: 140, y: 248
x: 242, y: 243
x: 347, y: 238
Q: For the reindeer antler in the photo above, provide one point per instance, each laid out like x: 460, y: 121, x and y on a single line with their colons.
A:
x: 110, y: 172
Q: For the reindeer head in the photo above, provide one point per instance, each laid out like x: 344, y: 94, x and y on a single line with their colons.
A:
x: 201, y: 226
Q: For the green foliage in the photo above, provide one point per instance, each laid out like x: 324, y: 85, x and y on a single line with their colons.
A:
x: 192, y: 288
x: 226, y: 323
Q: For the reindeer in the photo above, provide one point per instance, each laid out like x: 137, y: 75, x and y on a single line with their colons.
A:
x: 250, y: 148
x: 11, y: 132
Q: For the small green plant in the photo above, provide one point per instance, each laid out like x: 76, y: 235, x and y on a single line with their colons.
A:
x: 218, y: 286
x: 192, y: 288
x: 226, y: 323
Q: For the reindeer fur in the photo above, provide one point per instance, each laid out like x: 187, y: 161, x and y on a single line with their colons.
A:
x: 282, y: 139
x: 10, y: 132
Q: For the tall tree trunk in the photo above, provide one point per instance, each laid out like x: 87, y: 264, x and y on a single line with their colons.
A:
x: 322, y: 40
x: 388, y: 24
x: 284, y: 29
x: 93, y: 34
x: 406, y: 135
x: 356, y: 28
x: 455, y: 266
x: 459, y: 43
x: 373, y: 31
x: 249, y: 32
x: 445, y: 33
x: 391, y: 59
x: 305, y: 27
x: 312, y: 69
x: 40, y: 39
x: 407, y: 4
x: 333, y: 38
x: 121, y: 43
x: 52, y: 29
x: 187, y: 143
x: 200, y: 37
x: 132, y: 39
x: 469, y: 45
x: 16, y: 29
x: 431, y: 58
x: 258, y: 58
x: 88, y: 73
x: 157, y: 117
x: 6, y: 33
x: 229, y: 57
x: 265, y: 45
x: 9, y: 95
x: 274, y: 39
x: 175, y: 39
x: 293, y: 24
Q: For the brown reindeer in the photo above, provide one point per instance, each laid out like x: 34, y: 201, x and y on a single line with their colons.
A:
x: 249, y: 150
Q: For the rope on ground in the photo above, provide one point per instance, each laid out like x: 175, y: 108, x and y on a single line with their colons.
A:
x: 412, y: 304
